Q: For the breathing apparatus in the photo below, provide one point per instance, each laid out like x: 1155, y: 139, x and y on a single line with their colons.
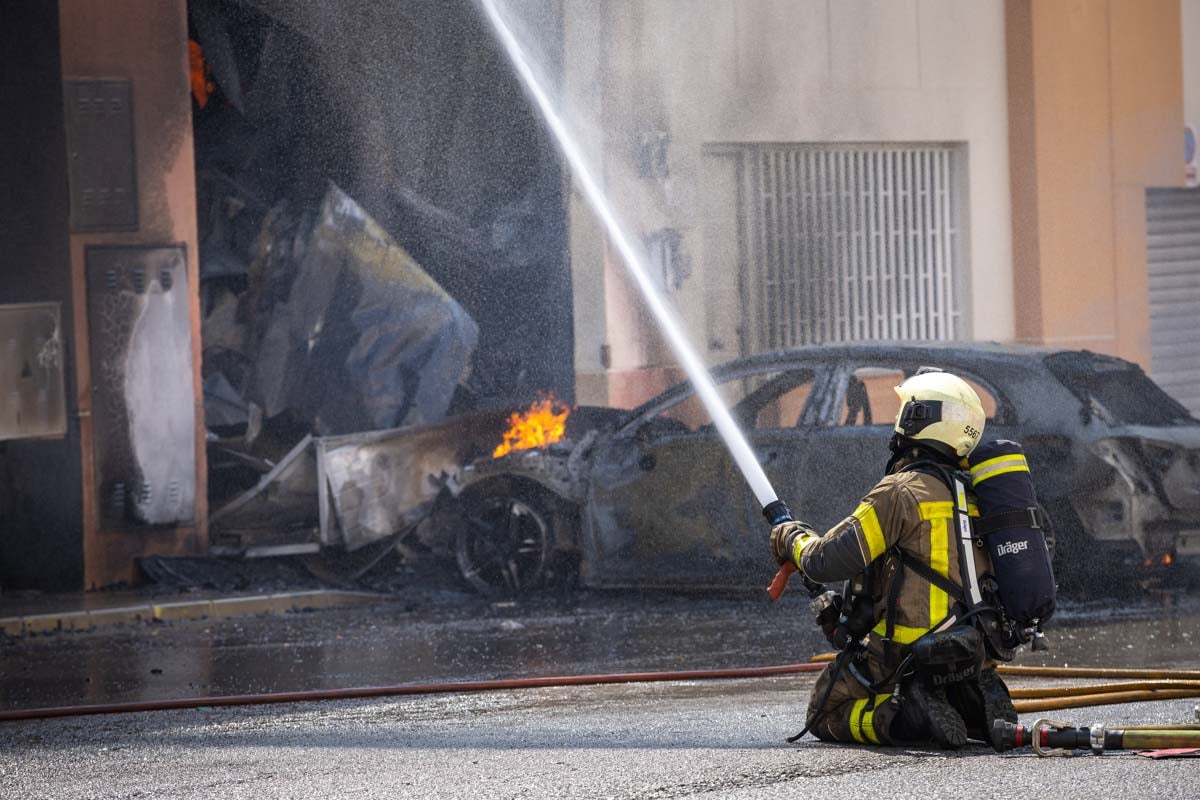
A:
x: 941, y: 415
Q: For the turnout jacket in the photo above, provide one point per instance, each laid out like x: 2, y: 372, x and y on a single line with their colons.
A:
x: 910, y: 512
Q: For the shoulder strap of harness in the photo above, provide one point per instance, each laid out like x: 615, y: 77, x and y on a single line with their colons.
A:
x: 972, y: 596
x: 924, y: 571
x: 928, y: 573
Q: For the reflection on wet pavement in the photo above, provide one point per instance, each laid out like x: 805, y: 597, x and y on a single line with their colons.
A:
x: 464, y: 639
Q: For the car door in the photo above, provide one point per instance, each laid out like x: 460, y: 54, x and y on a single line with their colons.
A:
x: 668, y: 507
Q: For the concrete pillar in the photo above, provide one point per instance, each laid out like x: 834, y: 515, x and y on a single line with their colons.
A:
x: 582, y: 74
x: 1095, y: 118
x: 621, y: 358
x: 144, y: 41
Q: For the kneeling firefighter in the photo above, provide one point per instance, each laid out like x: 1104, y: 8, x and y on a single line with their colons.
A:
x: 935, y: 593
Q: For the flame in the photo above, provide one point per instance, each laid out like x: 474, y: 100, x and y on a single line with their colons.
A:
x: 198, y: 74
x: 543, y: 424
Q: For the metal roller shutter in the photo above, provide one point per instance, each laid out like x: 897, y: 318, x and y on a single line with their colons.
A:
x: 1173, y: 259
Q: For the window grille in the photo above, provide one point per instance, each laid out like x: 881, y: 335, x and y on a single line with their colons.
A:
x: 851, y: 242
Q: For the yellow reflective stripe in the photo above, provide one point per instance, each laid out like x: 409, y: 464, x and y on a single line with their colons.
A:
x: 943, y: 509
x: 902, y: 634
x: 991, y: 462
x: 995, y: 472
x: 865, y: 514
x: 939, y: 561
x: 936, y: 509
x: 868, y: 719
x: 998, y: 466
x: 856, y: 714
x: 798, y: 547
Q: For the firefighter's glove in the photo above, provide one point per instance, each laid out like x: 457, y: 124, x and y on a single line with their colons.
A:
x: 827, y: 608
x: 788, y: 540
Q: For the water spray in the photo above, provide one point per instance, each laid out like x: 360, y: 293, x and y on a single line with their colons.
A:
x: 634, y: 258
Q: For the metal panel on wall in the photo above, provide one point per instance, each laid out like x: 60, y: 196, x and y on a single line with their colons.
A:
x: 143, y: 400
x: 101, y: 168
x: 31, y: 371
x: 1173, y: 260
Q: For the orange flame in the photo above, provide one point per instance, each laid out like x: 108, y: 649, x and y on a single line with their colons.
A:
x: 543, y: 424
x: 198, y: 74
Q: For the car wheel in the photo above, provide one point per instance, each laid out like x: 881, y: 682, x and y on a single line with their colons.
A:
x: 505, y: 538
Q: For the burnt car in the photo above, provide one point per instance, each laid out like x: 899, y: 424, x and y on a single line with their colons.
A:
x: 651, y: 498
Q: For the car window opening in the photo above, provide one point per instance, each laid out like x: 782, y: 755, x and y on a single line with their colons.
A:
x: 766, y: 401
x: 1116, y: 391
x: 871, y: 398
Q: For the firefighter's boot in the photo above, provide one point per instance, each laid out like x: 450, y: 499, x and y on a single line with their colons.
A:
x: 927, y: 707
x: 997, y: 702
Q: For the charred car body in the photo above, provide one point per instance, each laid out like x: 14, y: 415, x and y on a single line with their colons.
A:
x: 649, y: 497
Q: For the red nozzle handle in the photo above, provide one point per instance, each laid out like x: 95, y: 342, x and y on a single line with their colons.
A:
x: 780, y: 582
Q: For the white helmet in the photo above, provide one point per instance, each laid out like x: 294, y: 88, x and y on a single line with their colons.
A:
x: 940, y: 410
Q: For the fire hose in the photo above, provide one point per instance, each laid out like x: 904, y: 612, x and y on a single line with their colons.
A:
x: 1144, y: 685
x: 1047, y: 737
x: 1141, y: 685
x: 368, y: 692
x: 1050, y: 738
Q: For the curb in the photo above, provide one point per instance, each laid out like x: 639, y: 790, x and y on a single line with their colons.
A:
x: 222, y: 607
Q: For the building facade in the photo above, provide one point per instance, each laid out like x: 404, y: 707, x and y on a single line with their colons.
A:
x: 810, y: 171
x: 799, y: 172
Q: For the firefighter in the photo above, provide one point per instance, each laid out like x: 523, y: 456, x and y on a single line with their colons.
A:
x: 899, y: 554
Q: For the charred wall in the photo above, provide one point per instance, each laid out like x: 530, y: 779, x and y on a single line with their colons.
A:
x: 40, y: 480
x: 414, y: 112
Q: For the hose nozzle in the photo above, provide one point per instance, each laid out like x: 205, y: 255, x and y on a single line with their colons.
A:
x: 776, y: 512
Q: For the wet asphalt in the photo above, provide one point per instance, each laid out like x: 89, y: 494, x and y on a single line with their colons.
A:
x: 713, y: 740
x: 450, y: 636
x: 678, y: 739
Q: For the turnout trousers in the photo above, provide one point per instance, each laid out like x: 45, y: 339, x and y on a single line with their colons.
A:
x: 851, y: 713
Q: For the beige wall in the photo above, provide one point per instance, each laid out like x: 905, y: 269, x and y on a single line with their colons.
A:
x: 742, y: 71
x: 145, y: 41
x: 1096, y: 117
x: 1190, y: 23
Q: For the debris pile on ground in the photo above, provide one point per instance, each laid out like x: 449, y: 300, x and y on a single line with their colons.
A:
x: 338, y: 327
x: 260, y: 575
x: 380, y: 249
